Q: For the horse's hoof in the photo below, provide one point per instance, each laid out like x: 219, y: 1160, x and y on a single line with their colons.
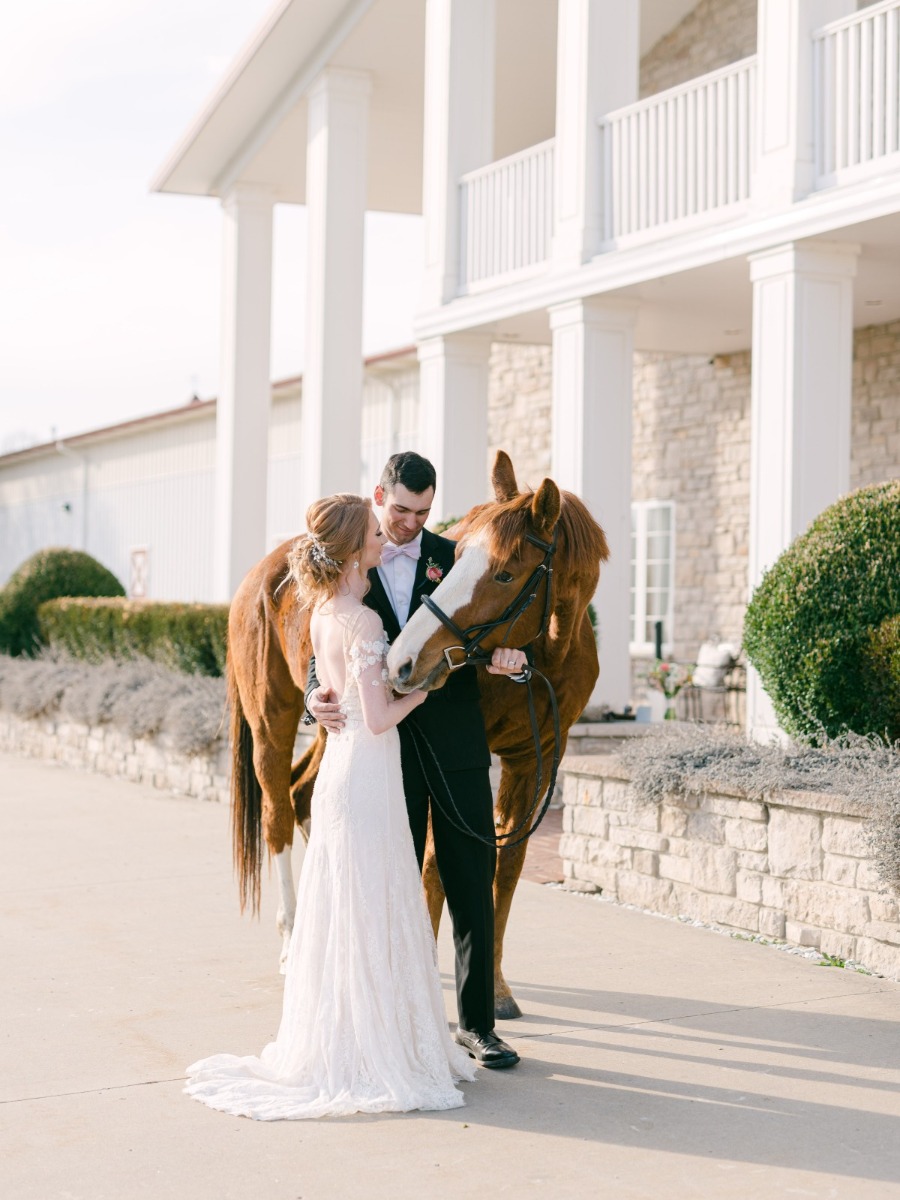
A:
x: 506, y: 1009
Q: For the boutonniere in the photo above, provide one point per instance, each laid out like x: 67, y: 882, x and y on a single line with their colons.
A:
x: 434, y: 571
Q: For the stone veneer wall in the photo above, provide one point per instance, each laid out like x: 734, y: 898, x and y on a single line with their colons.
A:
x: 714, y: 34
x: 793, y: 867
x: 691, y: 445
x: 111, y: 751
x: 519, y: 408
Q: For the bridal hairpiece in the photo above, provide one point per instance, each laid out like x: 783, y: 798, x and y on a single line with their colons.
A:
x: 320, y: 555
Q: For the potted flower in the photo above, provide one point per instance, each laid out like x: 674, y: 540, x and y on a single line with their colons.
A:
x: 669, y: 678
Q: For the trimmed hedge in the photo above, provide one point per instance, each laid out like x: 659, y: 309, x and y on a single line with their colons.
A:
x: 184, y: 637
x: 57, y: 571
x: 822, y: 627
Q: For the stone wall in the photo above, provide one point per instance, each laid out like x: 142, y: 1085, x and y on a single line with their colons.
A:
x: 691, y: 445
x: 111, y: 751
x: 792, y: 868
x: 519, y: 409
x: 875, y: 439
x: 712, y: 35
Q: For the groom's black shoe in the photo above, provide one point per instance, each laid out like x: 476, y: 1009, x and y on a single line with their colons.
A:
x: 487, y: 1048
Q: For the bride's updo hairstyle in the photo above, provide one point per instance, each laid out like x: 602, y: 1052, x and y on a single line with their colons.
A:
x: 338, y: 528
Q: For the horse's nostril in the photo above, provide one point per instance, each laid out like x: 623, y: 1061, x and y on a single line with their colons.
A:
x: 404, y: 670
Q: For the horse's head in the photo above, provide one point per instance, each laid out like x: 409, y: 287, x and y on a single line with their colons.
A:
x: 502, y: 544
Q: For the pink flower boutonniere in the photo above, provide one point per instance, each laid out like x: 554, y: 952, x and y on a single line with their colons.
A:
x: 434, y: 571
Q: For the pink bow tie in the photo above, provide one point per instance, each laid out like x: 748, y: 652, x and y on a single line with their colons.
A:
x: 389, y: 551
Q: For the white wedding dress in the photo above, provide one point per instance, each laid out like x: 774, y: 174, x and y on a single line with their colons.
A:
x: 363, y: 1026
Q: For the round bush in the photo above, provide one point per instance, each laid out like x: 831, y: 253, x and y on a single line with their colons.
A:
x: 819, y: 626
x: 45, y: 576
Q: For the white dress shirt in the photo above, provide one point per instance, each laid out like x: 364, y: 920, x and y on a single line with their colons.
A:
x: 398, y: 577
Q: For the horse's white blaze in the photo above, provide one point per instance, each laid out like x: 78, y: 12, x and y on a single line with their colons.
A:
x: 451, y: 595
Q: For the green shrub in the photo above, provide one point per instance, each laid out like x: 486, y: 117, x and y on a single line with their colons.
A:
x: 184, y: 637
x: 44, y: 576
x: 819, y: 627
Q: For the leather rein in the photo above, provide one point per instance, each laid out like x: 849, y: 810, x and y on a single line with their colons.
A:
x: 470, y: 640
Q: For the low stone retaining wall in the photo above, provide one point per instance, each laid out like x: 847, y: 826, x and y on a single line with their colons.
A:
x: 109, y: 750
x: 793, y: 867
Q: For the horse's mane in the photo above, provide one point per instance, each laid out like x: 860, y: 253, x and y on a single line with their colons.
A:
x: 582, y: 543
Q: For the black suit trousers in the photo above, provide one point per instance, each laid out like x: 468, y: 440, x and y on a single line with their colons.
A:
x: 466, y: 868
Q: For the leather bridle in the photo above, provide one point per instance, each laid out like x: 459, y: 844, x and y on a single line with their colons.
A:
x: 470, y: 640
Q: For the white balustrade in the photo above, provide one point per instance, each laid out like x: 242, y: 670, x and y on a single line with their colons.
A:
x: 680, y: 153
x: 506, y: 215
x: 857, y: 71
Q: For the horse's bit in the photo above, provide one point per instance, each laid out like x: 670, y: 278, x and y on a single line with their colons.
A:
x: 470, y: 643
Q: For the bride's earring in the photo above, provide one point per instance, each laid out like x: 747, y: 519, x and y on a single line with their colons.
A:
x: 356, y: 566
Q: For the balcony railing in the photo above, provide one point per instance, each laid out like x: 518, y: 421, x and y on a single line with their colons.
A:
x: 857, y: 70
x: 680, y: 153
x: 506, y: 215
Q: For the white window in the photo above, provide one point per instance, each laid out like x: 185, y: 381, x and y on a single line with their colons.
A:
x: 139, y: 572
x: 652, y: 574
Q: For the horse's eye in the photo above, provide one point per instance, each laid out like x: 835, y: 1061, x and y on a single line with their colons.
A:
x: 503, y: 577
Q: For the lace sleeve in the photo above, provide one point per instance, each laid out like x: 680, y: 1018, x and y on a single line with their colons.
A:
x: 367, y: 649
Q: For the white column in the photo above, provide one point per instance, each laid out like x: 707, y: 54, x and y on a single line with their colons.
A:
x: 597, y: 71
x: 459, y: 128
x: 336, y: 176
x: 453, y: 398
x: 801, y: 387
x: 242, y: 410
x: 593, y: 368
x: 785, y: 118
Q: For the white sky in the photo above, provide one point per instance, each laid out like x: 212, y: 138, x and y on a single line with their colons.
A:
x: 109, y: 296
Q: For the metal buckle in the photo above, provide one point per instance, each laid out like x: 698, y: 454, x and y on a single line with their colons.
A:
x: 449, y: 661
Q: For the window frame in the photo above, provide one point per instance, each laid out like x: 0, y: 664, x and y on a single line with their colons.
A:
x: 637, y: 615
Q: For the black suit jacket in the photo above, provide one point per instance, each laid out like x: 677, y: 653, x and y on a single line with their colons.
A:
x: 451, y: 717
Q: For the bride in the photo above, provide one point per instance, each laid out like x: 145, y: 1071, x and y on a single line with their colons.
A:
x: 363, y: 1026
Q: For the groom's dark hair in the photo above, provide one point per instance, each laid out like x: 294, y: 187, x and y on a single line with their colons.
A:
x: 410, y: 469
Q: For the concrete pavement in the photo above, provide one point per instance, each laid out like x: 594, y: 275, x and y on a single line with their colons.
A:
x: 659, y: 1060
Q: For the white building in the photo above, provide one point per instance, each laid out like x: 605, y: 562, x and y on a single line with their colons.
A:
x: 684, y: 216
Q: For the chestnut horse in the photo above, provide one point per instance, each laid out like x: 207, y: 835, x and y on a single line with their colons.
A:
x: 269, y: 648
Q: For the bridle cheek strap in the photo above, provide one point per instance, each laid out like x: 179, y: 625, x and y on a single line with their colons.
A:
x: 470, y: 639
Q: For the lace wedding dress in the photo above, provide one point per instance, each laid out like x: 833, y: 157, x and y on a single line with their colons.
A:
x: 363, y: 1027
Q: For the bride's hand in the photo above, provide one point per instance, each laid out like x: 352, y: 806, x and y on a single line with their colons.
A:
x: 419, y: 696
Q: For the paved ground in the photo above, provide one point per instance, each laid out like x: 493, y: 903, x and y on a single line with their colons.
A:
x: 659, y: 1060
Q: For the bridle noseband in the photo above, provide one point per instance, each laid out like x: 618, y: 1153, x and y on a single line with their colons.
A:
x: 470, y: 639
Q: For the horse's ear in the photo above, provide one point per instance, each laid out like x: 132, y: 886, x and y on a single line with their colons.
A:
x: 545, y: 506
x: 503, y: 478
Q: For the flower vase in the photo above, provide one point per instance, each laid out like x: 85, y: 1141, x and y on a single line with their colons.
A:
x: 670, y: 714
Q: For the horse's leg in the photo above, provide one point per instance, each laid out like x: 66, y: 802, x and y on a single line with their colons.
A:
x: 272, y: 762
x: 512, y: 798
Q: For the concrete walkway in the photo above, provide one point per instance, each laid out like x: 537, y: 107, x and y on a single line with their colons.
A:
x: 659, y: 1060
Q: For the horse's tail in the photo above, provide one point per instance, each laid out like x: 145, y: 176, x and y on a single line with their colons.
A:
x: 303, y: 776
x: 246, y: 801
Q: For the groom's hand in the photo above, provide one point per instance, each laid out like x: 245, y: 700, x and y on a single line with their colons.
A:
x: 324, y: 706
x: 506, y: 661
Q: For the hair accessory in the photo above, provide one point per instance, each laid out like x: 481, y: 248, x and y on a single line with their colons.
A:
x: 319, y: 554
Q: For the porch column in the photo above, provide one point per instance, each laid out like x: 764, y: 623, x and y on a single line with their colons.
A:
x: 785, y: 110
x: 459, y: 128
x: 331, y: 411
x: 242, y: 410
x: 593, y: 353
x: 453, y: 391
x: 801, y: 388
x: 597, y: 71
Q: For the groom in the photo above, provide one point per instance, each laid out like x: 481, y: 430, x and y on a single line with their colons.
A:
x: 412, y: 565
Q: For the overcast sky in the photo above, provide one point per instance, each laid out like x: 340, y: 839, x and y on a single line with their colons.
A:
x: 109, y: 297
